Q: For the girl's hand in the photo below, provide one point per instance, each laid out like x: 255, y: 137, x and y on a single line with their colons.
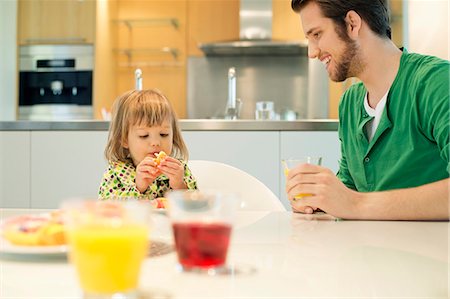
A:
x: 174, y: 170
x: 146, y: 173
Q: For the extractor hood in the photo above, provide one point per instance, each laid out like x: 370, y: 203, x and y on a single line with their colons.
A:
x: 255, y: 35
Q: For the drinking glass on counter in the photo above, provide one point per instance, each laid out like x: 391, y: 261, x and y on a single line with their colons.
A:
x: 202, y: 222
x: 108, y: 241
x: 264, y: 110
x: 289, y: 164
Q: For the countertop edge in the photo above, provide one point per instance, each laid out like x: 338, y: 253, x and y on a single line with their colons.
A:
x: 185, y: 125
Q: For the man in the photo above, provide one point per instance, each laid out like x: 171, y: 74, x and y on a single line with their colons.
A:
x: 393, y: 125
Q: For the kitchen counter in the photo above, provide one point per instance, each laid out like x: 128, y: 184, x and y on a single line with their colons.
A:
x: 185, y: 124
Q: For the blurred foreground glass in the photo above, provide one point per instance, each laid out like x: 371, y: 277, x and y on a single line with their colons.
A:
x: 289, y: 164
x: 202, y: 222
x: 108, y: 241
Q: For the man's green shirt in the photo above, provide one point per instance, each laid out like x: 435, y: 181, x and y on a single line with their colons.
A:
x: 411, y: 144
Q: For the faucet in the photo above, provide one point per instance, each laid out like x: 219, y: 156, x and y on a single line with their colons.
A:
x: 138, y: 79
x: 233, y: 104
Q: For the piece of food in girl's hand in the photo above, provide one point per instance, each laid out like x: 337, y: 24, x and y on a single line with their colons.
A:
x: 160, y: 157
x: 35, y: 230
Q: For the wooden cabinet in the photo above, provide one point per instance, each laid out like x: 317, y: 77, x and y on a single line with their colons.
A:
x: 211, y: 21
x: 286, y: 24
x: 151, y: 35
x: 56, y: 22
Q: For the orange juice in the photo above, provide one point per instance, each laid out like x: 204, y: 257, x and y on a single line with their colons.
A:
x: 298, y: 196
x: 108, y: 259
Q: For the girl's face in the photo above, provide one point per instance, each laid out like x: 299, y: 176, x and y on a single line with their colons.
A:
x: 145, y: 141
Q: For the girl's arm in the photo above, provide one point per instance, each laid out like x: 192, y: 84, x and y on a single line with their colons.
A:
x: 118, y: 181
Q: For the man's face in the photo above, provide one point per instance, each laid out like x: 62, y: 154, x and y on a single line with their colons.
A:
x: 332, y: 47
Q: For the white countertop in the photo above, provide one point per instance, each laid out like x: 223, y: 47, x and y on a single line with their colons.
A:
x: 295, y: 256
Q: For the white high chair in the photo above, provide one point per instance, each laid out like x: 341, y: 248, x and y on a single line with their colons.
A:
x: 255, y: 196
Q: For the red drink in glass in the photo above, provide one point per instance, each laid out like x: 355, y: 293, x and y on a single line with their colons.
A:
x: 202, y: 245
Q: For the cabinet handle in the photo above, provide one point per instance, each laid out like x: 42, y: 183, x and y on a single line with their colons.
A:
x: 56, y: 40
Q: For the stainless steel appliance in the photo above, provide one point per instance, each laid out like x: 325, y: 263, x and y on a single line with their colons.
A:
x: 56, y: 82
x: 255, y: 35
x: 267, y: 70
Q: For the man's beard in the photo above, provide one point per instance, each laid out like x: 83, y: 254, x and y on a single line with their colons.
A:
x: 349, y: 64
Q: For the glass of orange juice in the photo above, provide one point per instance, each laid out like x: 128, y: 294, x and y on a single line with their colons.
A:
x: 289, y: 164
x: 108, y: 241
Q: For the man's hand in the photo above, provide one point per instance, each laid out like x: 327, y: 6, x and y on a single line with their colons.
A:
x: 324, y: 189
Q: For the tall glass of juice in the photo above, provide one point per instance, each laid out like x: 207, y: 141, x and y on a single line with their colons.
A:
x: 108, y: 241
x: 202, y: 224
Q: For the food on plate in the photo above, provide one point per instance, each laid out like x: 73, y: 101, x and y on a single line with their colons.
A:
x: 160, y: 203
x: 160, y: 157
x: 35, y: 230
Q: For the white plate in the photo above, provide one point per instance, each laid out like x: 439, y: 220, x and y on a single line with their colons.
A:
x: 160, y: 211
x: 9, y: 249
x: 50, y: 251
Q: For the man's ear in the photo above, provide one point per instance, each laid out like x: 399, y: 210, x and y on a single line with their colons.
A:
x: 354, y: 22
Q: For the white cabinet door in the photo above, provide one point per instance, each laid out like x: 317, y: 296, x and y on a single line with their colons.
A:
x: 14, y: 169
x: 65, y: 164
x: 309, y: 143
x: 254, y: 152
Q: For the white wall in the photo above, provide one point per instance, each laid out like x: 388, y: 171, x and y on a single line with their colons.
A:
x: 428, y: 32
x: 8, y: 59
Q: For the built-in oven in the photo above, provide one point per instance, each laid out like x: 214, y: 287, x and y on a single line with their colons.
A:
x: 55, y: 82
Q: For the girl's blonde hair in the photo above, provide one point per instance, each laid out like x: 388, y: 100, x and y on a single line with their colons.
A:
x: 141, y: 107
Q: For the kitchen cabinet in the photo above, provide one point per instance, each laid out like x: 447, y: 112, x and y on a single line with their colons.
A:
x: 41, y: 168
x: 211, y: 21
x: 56, y: 22
x: 254, y: 152
x: 151, y: 35
x: 65, y: 164
x: 286, y: 23
x: 14, y: 169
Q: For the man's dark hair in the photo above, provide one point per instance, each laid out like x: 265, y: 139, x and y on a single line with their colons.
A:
x: 373, y: 12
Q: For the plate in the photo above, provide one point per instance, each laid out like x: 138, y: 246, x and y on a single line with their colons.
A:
x: 6, y: 248
x: 160, y: 211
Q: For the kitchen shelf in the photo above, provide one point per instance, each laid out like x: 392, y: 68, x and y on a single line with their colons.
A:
x: 144, y: 64
x: 130, y: 52
x: 130, y: 23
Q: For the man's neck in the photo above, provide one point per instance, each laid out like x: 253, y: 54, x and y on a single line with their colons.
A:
x: 382, y: 61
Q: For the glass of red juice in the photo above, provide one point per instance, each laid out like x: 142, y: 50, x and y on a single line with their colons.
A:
x: 202, y: 225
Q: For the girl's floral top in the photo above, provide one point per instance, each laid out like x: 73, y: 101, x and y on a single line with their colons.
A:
x: 119, y: 181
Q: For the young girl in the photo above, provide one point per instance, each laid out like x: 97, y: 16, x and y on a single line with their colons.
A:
x: 143, y: 124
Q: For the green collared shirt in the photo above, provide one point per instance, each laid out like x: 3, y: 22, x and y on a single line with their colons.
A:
x: 411, y: 144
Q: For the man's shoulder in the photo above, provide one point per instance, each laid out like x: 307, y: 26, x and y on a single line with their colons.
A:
x: 424, y: 65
